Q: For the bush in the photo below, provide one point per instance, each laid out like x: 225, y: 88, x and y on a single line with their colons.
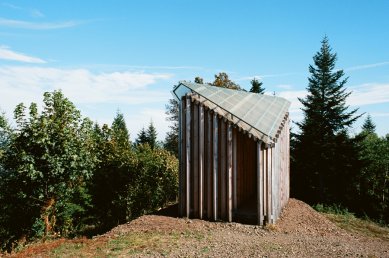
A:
x: 155, y: 181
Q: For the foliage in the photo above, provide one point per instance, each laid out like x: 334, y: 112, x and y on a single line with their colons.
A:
x: 60, y: 175
x: 368, y: 125
x: 171, y: 140
x: 148, y: 136
x: 112, y: 175
x: 199, y: 80
x: 325, y: 158
x: 373, y: 182
x: 155, y: 181
x: 222, y: 80
x: 256, y: 86
x: 49, y: 159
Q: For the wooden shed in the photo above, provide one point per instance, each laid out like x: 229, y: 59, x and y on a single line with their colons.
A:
x: 233, y: 152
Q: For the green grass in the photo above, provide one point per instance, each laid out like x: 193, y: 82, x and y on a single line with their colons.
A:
x: 131, y: 243
x: 353, y: 224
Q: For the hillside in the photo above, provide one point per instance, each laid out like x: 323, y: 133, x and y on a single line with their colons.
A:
x: 301, y: 232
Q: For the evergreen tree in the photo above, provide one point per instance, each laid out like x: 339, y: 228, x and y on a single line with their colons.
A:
x: 256, y: 86
x: 119, y: 131
x: 171, y: 139
x: 152, y: 136
x: 199, y: 80
x: 323, y: 154
x: 142, y: 137
x: 368, y: 126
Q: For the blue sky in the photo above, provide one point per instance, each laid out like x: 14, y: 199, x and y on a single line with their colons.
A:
x: 127, y: 55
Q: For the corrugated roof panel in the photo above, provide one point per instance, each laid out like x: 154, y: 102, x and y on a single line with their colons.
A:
x: 259, y: 114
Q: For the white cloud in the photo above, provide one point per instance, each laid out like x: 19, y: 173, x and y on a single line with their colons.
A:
x: 367, y: 66
x: 368, y: 94
x: 37, y: 25
x: 27, y: 84
x: 8, y: 54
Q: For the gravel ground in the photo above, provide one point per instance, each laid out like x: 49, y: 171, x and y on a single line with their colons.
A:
x: 300, y: 232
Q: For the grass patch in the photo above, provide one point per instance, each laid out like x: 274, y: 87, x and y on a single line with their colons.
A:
x: 355, y: 225
x: 132, y: 243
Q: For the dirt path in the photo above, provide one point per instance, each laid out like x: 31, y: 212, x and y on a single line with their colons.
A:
x: 300, y: 232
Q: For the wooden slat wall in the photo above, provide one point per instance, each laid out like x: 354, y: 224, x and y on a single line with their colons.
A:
x: 222, y: 168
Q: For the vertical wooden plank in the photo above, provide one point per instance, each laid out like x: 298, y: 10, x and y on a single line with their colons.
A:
x: 201, y: 160
x: 187, y: 152
x: 259, y: 184
x: 195, y: 158
x: 234, y: 169
x: 223, y: 170
x: 268, y: 194
x: 229, y: 169
x: 209, y: 164
x: 264, y: 195
x: 180, y: 156
x: 215, y: 165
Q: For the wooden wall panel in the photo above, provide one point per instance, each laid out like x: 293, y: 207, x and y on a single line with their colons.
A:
x: 222, y: 169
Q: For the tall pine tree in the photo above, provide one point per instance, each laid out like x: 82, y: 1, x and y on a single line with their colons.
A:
x: 323, y: 155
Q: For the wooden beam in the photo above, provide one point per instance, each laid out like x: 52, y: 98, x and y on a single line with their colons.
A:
x: 223, y: 171
x: 235, y: 172
x: 180, y: 180
x: 195, y: 159
x: 201, y: 160
x: 187, y: 158
x: 229, y: 172
x: 215, y: 165
x: 259, y: 184
x: 209, y: 164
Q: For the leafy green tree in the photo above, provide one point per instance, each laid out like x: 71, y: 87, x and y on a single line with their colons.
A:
x: 372, y: 182
x: 256, y: 86
x: 155, y: 181
x: 49, y: 159
x: 324, y: 156
x: 222, y: 80
x: 113, y: 174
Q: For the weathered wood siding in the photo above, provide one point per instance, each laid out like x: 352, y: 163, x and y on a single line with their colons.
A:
x: 224, y: 169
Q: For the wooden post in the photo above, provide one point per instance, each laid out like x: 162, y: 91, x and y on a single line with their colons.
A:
x: 265, y: 183
x: 259, y: 184
x: 229, y: 172
x: 215, y: 164
x: 223, y: 170
x: 268, y: 194
x: 201, y: 160
x: 187, y: 158
x: 235, y: 172
x: 209, y: 165
x: 181, y: 169
x: 195, y: 159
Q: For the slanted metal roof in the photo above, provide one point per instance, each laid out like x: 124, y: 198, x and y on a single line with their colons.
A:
x: 260, y: 115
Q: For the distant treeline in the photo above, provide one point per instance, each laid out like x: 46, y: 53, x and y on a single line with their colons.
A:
x: 63, y: 175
